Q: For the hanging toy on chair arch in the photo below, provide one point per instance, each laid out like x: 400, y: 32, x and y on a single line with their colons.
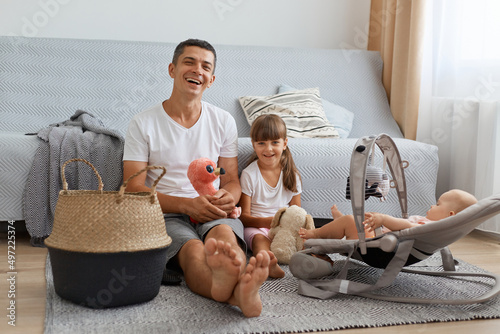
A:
x: 377, y: 183
x: 368, y: 180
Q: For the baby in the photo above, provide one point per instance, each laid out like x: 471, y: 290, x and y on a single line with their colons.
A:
x: 450, y: 203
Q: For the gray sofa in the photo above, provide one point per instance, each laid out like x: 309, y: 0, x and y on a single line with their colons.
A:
x: 44, y: 81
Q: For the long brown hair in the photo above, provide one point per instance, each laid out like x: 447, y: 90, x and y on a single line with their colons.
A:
x: 272, y: 127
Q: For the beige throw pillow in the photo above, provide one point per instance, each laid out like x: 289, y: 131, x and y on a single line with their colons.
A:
x: 301, y: 110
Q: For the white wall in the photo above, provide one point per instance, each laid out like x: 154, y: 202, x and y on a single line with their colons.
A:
x: 296, y: 23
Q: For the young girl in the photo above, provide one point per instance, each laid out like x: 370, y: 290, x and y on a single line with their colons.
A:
x: 270, y: 182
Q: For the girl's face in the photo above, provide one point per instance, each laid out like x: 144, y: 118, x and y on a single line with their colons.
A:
x: 269, y: 151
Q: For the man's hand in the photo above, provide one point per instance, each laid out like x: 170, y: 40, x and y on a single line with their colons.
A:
x: 203, y: 210
x: 224, y: 200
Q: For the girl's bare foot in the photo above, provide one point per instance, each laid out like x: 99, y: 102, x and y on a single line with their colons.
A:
x: 336, y: 212
x: 246, y: 293
x: 225, y: 266
x: 275, y: 270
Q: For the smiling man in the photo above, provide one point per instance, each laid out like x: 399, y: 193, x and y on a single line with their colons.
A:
x: 172, y: 134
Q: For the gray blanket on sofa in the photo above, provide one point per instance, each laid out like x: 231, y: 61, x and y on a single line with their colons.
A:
x: 82, y: 136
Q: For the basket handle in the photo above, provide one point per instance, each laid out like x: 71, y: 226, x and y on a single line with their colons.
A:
x: 65, y: 184
x: 153, y: 187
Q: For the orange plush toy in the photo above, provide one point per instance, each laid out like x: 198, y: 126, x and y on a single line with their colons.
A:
x: 202, y: 173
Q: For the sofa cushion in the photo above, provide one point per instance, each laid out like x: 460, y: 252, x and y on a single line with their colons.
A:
x: 338, y: 116
x: 301, y: 110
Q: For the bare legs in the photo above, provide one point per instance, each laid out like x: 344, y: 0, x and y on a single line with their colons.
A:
x: 262, y: 243
x: 336, y: 212
x: 218, y: 270
x: 341, y: 226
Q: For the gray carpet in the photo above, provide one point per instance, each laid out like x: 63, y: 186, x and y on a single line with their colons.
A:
x: 177, y: 310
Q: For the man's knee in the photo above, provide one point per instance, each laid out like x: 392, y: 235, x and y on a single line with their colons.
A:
x: 190, y: 249
x: 221, y: 231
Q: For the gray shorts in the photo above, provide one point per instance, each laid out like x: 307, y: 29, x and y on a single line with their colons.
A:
x: 181, y: 230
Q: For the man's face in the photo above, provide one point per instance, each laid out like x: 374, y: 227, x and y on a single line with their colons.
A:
x: 193, y: 72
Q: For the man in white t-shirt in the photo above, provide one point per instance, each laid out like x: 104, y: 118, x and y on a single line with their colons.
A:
x: 174, y: 133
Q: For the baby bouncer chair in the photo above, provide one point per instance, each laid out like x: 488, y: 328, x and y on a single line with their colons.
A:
x: 392, y: 251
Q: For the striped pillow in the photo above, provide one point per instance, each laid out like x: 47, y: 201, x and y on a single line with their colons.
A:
x: 301, y: 110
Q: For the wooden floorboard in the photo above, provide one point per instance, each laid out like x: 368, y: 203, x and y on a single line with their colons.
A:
x: 478, y: 248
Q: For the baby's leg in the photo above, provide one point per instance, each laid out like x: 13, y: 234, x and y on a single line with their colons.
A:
x: 336, y: 212
x: 343, y: 226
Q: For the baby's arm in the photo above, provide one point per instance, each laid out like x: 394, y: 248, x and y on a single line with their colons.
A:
x: 375, y: 220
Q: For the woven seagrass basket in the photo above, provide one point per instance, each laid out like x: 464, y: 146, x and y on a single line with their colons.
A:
x: 108, y: 248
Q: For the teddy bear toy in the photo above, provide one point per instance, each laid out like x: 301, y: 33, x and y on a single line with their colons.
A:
x: 202, y: 173
x: 284, y: 232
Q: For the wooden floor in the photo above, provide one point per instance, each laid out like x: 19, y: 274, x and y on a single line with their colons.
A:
x: 478, y: 248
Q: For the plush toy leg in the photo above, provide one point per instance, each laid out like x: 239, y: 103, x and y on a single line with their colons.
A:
x: 235, y: 213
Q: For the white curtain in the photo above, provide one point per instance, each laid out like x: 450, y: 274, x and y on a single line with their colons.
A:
x: 460, y: 96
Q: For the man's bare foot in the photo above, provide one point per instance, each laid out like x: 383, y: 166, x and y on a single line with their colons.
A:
x: 336, y: 212
x: 223, y: 260
x: 246, y: 293
x: 306, y: 234
x: 275, y: 270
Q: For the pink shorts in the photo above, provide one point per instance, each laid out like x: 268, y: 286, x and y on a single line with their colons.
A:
x: 251, y: 232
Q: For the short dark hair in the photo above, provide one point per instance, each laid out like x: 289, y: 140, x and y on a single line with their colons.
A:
x: 179, y: 49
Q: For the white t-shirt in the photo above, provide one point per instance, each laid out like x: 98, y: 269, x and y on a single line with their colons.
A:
x: 266, y: 200
x: 154, y: 137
